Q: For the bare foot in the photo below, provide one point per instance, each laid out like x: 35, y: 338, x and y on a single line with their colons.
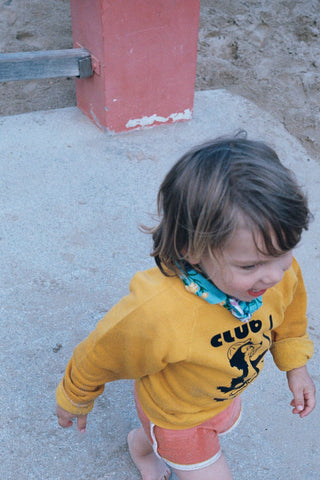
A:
x: 149, y: 465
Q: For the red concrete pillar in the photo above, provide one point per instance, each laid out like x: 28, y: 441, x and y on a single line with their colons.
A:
x: 144, y: 57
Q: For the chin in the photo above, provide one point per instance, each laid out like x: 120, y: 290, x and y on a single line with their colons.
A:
x: 245, y: 298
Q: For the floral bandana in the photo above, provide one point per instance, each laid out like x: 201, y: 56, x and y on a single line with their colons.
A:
x: 203, y: 288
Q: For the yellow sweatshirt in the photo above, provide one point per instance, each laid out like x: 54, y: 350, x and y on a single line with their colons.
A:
x: 189, y: 358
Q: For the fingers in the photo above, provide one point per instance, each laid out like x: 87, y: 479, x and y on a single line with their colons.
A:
x: 305, y: 405
x: 298, y: 403
x: 304, y: 392
x: 296, y: 409
x: 65, y: 422
x: 82, y: 423
x: 65, y: 419
x: 303, y: 408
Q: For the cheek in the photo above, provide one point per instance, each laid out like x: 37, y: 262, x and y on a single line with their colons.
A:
x: 225, y: 276
x: 231, y: 282
x: 241, y: 282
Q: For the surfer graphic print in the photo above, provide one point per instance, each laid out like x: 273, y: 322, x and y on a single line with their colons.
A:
x: 245, y: 356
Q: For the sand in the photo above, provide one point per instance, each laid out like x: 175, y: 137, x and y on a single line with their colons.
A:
x: 268, y: 52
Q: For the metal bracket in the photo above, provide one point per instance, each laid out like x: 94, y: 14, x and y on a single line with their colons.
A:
x: 95, y: 62
x: 85, y: 67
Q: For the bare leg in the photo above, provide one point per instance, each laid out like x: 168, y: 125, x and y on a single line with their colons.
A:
x: 217, y: 471
x: 149, y: 465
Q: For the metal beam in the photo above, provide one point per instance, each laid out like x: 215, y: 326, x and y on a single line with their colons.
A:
x: 75, y: 62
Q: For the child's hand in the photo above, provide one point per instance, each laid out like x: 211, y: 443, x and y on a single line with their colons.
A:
x: 303, y: 389
x: 65, y: 419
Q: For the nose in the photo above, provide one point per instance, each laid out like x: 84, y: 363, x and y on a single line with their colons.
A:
x: 272, y: 274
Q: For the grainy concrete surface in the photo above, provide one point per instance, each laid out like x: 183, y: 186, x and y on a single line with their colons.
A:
x: 72, y: 198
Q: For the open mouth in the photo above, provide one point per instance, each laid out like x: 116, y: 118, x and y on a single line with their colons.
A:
x: 256, y: 293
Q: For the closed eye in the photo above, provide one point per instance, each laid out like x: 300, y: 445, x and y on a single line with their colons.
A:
x: 248, y: 267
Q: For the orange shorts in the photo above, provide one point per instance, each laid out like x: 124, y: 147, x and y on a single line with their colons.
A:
x: 191, y: 448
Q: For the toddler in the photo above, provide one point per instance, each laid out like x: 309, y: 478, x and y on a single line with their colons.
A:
x: 194, y: 330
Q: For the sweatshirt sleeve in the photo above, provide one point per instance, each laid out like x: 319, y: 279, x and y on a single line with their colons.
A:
x: 291, y: 347
x: 133, y: 340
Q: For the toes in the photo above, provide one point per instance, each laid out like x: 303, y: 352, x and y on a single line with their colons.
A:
x: 166, y: 475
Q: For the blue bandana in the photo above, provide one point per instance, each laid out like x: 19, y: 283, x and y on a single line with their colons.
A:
x: 203, y: 288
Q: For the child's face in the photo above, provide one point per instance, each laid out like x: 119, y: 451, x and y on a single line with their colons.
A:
x: 241, y: 271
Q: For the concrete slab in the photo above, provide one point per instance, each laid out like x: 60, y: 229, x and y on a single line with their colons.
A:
x: 72, y: 198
